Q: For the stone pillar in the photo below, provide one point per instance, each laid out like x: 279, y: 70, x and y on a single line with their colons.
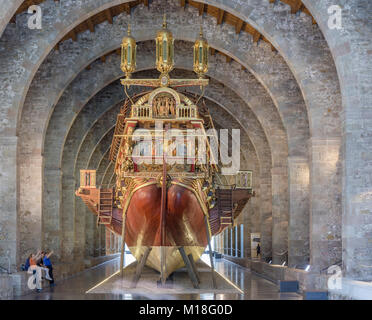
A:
x: 9, y: 234
x: 80, y: 230
x: 266, y: 219
x: 96, y: 239
x: 108, y: 241
x: 52, y: 222
x: 103, y: 240
x: 299, y: 212
x: 68, y: 218
x: 352, y: 51
x: 90, y: 225
x: 280, y: 209
x: 325, y: 204
x: 251, y: 222
x: 30, y: 202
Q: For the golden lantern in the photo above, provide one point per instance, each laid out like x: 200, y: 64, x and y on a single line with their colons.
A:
x: 128, y: 54
x: 201, y: 55
x: 164, y: 50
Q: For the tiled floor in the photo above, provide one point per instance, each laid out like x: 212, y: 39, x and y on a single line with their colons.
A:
x: 254, y: 287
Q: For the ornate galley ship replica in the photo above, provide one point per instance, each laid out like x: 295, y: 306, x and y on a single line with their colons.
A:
x: 165, y: 212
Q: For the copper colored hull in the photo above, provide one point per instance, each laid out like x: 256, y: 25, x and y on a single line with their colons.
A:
x: 184, y: 225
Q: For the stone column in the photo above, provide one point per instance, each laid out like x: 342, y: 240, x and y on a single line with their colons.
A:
x: 30, y: 205
x: 225, y: 241
x: 266, y: 219
x: 90, y: 225
x: 68, y: 219
x: 232, y: 240
x: 9, y: 234
x: 280, y: 209
x: 103, y: 240
x: 52, y: 223
x: 351, y: 48
x: 325, y: 204
x: 108, y: 241
x: 299, y: 212
x: 80, y: 228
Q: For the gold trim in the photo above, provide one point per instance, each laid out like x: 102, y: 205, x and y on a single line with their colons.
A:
x: 172, y: 82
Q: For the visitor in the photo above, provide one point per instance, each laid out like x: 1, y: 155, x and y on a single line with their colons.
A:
x: 26, y: 266
x: 258, y: 250
x: 35, y: 269
x: 49, y: 266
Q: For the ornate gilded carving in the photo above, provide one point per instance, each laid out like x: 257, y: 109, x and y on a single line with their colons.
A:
x: 164, y: 106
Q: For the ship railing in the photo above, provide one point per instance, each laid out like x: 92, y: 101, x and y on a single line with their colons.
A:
x: 182, y: 112
x: 188, y: 112
x: 143, y: 111
x: 243, y: 179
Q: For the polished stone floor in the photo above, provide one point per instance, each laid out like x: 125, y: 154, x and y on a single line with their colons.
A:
x: 75, y: 288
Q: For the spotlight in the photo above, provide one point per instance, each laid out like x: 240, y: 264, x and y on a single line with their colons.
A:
x: 283, y: 264
x: 307, y: 268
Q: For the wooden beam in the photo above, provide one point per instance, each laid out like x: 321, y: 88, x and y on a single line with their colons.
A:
x: 57, y: 46
x: 228, y: 59
x: 213, y: 51
x: 103, y: 59
x: 118, y: 52
x: 201, y: 9
x: 88, y: 67
x: 273, y: 48
x: 108, y: 15
x: 90, y: 25
x: 272, y: 1
x: 146, y: 3
x: 239, y: 26
x: 220, y: 17
x: 256, y: 36
x: 183, y: 3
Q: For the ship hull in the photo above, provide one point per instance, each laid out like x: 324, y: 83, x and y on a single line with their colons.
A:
x: 184, y: 226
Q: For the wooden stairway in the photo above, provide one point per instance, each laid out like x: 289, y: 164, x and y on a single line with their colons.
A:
x: 225, y: 206
x: 105, y: 205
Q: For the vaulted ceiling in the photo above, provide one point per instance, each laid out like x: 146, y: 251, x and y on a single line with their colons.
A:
x: 273, y: 75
